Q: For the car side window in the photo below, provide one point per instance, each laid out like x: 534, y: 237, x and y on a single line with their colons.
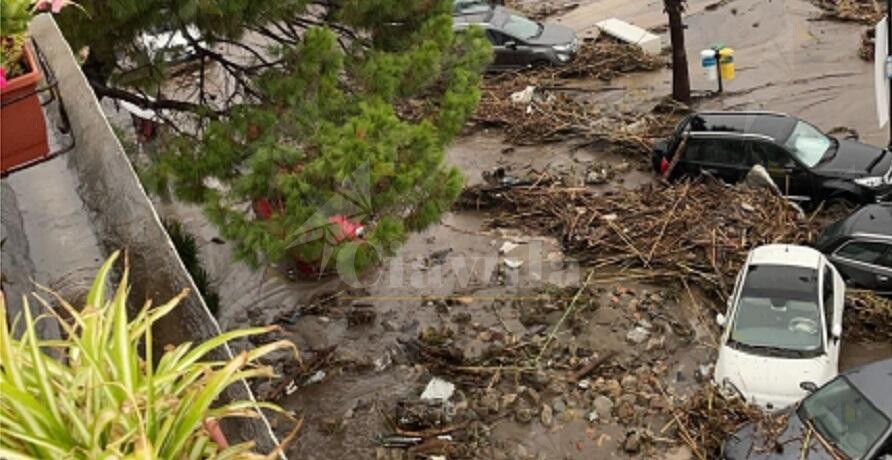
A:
x: 769, y: 155
x: 886, y: 259
x: 495, y: 37
x: 828, y: 297
x: 727, y: 152
x: 862, y: 251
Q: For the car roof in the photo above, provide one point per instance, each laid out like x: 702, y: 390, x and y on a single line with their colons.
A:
x: 495, y: 17
x: 785, y: 254
x: 874, y: 380
x: 874, y: 219
x: 777, y: 126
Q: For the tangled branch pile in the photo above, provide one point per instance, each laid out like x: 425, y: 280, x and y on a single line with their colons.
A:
x: 862, y: 11
x: 868, y: 42
x: 555, y: 109
x: 706, y: 419
x: 698, y: 232
x: 541, y: 10
x: 868, y: 317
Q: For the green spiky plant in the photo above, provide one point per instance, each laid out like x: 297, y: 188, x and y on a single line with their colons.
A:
x: 92, y: 395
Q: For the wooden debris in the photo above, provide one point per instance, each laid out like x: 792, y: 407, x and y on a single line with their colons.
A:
x: 699, y: 232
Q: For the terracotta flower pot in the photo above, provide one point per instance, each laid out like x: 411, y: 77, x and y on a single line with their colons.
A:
x: 22, y: 123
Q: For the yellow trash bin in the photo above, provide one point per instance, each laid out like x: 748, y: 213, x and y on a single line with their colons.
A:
x: 726, y: 63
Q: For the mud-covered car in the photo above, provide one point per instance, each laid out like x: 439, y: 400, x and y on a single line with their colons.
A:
x: 518, y: 41
x: 783, y: 326
x: 860, y: 246
x: 848, y: 418
x: 806, y: 164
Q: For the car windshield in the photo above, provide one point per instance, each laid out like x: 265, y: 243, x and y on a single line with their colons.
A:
x: 521, y: 27
x: 778, y: 311
x: 844, y: 417
x: 808, y: 144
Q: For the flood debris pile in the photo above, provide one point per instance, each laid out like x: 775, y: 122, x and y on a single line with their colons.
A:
x: 861, y: 11
x: 697, y: 232
x: 868, y: 317
x: 543, y: 105
x: 704, y: 420
x: 540, y: 10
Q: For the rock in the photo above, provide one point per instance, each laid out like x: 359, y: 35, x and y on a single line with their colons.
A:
x: 541, y: 379
x: 558, y: 404
x: 489, y: 403
x: 508, y: 399
x: 523, y: 413
x: 637, y: 335
x: 604, y: 407
x: 461, y: 317
x: 592, y: 416
x: 584, y: 384
x: 629, y: 383
x: 613, y: 388
x: 546, y: 416
x: 530, y: 394
x: 389, y: 325
x: 632, y: 444
x: 656, y: 343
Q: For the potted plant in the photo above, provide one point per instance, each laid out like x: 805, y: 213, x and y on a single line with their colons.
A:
x: 23, y: 129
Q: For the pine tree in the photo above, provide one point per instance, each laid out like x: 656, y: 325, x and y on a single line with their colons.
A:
x: 350, y: 118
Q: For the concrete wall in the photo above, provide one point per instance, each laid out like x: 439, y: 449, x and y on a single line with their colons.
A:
x: 122, y: 217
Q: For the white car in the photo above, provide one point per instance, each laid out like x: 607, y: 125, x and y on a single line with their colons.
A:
x: 783, y: 326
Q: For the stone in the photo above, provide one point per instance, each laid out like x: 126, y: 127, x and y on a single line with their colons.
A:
x: 489, y: 403
x: 604, y: 407
x: 629, y: 383
x: 613, y: 388
x: 558, y: 404
x: 523, y: 413
x: 592, y: 416
x: 655, y: 343
x: 637, y: 335
x: 546, y: 416
x: 632, y: 443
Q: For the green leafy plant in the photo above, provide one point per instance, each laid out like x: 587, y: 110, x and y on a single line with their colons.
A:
x: 92, y: 395
x: 14, y: 18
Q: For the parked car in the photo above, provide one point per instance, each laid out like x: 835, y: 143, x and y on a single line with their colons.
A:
x: 521, y: 42
x: 783, y: 326
x: 861, y: 247
x: 852, y: 416
x: 806, y: 164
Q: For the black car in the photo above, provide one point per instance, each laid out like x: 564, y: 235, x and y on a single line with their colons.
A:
x: 850, y: 415
x: 806, y: 164
x: 518, y: 41
x: 860, y: 246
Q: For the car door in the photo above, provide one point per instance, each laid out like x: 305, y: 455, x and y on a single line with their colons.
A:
x: 833, y: 299
x: 502, y: 55
x: 719, y: 156
x: 865, y: 263
x: 792, y: 179
x: 508, y: 51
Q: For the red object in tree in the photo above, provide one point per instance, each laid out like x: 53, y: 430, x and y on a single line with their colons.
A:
x: 664, y: 166
x: 347, y: 230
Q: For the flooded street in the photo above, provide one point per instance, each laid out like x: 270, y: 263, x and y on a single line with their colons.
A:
x: 550, y: 358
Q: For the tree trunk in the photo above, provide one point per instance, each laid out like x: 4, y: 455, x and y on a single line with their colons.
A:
x: 681, y: 82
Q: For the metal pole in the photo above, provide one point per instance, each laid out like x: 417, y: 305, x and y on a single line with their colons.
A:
x: 889, y: 50
x: 718, y: 66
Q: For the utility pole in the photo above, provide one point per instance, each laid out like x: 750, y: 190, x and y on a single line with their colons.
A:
x: 681, y: 81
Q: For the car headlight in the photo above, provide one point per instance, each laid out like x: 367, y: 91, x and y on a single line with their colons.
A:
x: 563, y: 57
x: 871, y: 182
x: 564, y: 48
